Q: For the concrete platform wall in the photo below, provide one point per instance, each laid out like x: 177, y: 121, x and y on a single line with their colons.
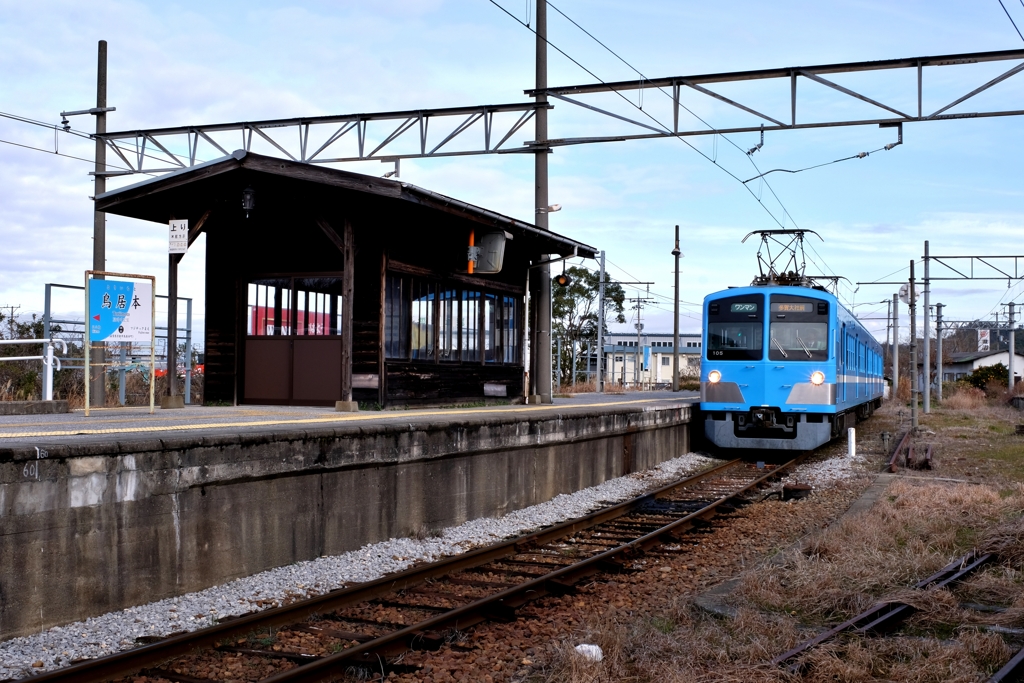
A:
x: 96, y: 527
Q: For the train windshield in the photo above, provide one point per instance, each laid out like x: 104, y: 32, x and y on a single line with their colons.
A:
x: 798, y: 341
x: 734, y: 341
x: 798, y: 329
x: 735, y: 327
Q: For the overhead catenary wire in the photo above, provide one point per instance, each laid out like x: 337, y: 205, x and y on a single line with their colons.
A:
x: 692, y: 113
x: 654, y: 119
x: 87, y: 136
x: 861, y: 155
x: 1011, y: 19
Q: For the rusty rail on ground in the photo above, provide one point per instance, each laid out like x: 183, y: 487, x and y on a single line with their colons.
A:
x: 903, y: 444
x: 1013, y: 670
x: 885, y: 616
x: 905, y: 448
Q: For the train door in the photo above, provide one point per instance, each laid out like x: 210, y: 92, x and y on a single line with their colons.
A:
x: 842, y: 363
x: 858, y: 370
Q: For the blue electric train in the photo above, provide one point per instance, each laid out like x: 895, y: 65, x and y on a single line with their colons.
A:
x: 785, y: 367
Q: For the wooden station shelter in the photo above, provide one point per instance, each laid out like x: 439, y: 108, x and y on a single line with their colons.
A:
x: 324, y: 285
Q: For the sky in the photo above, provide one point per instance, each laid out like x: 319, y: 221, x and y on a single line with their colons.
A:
x: 953, y: 183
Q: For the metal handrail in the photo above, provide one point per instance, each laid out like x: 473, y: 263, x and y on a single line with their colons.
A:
x: 49, y: 360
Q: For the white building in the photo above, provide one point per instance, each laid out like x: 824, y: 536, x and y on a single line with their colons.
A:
x: 654, y: 355
x: 964, y: 364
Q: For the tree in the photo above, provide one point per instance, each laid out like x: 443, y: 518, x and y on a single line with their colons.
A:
x: 998, y: 375
x: 574, y: 315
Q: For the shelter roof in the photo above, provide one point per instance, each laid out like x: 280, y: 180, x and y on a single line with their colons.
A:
x: 188, y: 192
x: 969, y: 356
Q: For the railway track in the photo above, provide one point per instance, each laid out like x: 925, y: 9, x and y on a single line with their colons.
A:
x: 371, y: 625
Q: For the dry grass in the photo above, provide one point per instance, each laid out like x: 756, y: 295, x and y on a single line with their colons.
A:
x: 578, y: 387
x: 909, y: 659
x: 965, y: 398
x: 912, y: 532
x: 589, y: 388
x: 681, y: 645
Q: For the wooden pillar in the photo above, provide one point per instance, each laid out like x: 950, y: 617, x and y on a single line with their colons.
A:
x: 347, y: 295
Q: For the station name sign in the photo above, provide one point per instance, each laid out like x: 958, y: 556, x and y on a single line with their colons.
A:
x: 178, y: 243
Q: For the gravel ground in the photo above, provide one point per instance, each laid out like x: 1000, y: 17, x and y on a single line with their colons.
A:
x: 115, y: 631
x: 825, y: 473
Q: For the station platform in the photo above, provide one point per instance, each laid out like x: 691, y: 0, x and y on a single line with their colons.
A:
x: 106, y: 426
x: 124, y: 507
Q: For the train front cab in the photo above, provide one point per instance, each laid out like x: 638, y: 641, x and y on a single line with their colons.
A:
x: 770, y: 368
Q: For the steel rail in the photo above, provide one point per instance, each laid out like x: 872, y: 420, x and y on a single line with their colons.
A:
x: 508, y: 600
x: 1013, y: 670
x: 884, y: 616
x: 130, y: 661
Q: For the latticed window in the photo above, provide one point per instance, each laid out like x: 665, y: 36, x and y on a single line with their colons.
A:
x: 435, y: 321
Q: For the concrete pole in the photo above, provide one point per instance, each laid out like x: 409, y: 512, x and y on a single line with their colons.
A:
x: 556, y: 378
x: 914, y: 389
x: 888, y: 330
x: 99, y: 219
x: 675, y: 320
x: 927, y: 337
x: 938, y: 352
x: 636, y: 360
x: 542, y: 340
x: 600, y: 328
x: 1013, y: 346
x: 895, y: 344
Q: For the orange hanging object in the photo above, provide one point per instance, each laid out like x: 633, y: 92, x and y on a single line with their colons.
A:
x: 472, y: 237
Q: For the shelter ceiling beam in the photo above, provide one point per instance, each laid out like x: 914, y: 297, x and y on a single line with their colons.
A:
x: 331, y: 234
x: 197, y: 228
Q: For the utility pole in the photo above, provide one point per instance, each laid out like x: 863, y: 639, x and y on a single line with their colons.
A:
x: 888, y: 327
x: 927, y: 338
x: 541, y: 349
x: 914, y: 388
x: 97, y: 385
x: 938, y: 352
x: 639, y: 302
x: 675, y: 320
x: 895, y: 344
x: 636, y: 356
x: 99, y: 219
x: 600, y: 328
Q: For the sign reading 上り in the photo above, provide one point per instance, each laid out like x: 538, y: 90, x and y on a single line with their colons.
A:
x: 120, y: 311
x: 178, y: 237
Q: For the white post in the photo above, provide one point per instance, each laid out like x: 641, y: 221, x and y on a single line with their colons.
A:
x: 851, y: 442
x: 48, y: 372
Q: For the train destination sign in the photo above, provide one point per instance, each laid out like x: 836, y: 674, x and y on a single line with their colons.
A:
x: 793, y: 308
x: 120, y: 311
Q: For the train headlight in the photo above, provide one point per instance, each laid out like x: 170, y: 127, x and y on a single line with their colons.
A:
x: 714, y: 376
x: 817, y: 377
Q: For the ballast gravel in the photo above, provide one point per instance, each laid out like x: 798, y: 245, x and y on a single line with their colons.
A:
x: 824, y: 473
x: 98, y: 636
